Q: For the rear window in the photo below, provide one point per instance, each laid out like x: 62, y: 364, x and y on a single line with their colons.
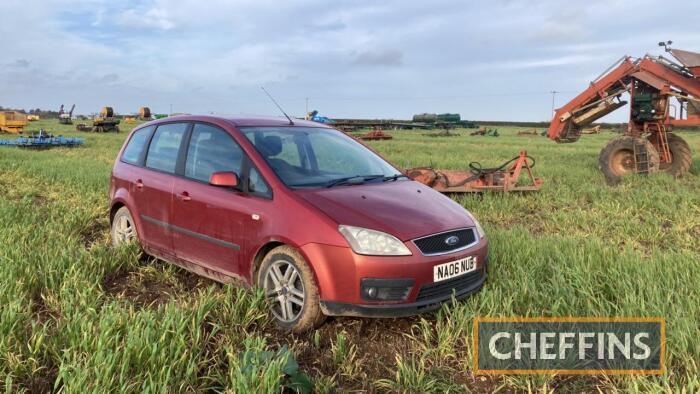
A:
x: 136, y: 145
x: 162, y: 153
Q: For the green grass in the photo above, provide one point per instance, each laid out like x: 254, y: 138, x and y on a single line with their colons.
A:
x: 80, y: 316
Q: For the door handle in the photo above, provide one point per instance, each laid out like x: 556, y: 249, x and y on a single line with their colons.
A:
x: 139, y: 183
x: 184, y: 196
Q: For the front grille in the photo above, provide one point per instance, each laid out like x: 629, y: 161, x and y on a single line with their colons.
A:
x: 445, y: 288
x: 437, y: 243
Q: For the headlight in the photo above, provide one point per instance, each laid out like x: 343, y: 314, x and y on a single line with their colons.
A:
x: 371, y: 242
x: 479, y: 229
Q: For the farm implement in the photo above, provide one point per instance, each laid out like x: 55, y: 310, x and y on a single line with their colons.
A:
x: 42, y: 140
x: 504, y: 178
x: 487, y: 132
x: 663, y: 94
x: 12, y: 122
x: 376, y: 134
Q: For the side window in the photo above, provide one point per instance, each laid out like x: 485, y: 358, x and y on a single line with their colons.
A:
x: 211, y: 150
x: 165, y: 145
x: 136, y: 145
x: 256, y: 184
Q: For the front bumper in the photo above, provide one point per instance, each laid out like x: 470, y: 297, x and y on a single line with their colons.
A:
x: 334, y: 308
x: 339, y: 273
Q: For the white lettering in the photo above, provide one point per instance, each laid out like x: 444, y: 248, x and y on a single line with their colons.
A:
x: 545, y: 344
x: 492, y: 346
x: 583, y: 344
x: 564, y: 345
x: 519, y: 345
x: 638, y: 342
x: 614, y: 342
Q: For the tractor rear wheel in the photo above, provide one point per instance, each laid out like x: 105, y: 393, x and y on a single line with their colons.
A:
x: 617, y: 159
x: 680, y: 155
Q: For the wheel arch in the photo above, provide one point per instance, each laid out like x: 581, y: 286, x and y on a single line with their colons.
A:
x: 114, y: 208
x: 260, y: 256
x: 268, y: 246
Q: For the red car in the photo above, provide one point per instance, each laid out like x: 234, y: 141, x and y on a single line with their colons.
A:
x: 321, y: 222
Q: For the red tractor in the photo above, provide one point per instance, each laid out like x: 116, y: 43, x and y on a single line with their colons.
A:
x: 663, y: 94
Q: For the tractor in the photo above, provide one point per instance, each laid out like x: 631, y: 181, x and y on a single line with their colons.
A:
x: 105, y: 121
x: 663, y: 95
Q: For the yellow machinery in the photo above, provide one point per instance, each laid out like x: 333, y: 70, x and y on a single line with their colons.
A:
x: 12, y: 122
x: 106, y: 121
x: 144, y: 113
x: 33, y: 118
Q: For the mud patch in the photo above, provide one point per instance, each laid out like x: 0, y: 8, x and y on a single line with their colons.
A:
x: 377, y: 343
x: 97, y: 231
x: 152, y: 285
x: 41, y: 381
x: 41, y: 312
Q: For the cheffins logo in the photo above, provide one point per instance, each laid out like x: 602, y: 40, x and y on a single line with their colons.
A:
x: 569, y: 345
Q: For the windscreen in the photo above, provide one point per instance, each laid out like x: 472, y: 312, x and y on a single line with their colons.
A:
x: 315, y: 157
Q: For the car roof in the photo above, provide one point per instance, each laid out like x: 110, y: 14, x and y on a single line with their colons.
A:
x: 246, y: 121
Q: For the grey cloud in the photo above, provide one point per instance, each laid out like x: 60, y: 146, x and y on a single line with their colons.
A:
x: 20, y: 63
x: 108, y: 78
x: 328, y: 26
x: 388, y: 57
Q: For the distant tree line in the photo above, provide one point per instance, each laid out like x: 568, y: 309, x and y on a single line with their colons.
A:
x: 36, y: 111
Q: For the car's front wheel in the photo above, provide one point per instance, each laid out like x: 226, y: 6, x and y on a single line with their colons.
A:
x: 291, y: 289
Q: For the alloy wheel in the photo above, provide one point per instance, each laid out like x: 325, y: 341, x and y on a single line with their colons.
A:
x: 124, y: 229
x: 285, y: 289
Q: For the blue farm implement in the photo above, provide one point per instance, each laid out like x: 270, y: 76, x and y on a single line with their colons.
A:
x: 42, y: 140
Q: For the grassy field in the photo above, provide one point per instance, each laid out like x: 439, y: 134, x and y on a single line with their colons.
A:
x: 80, y: 316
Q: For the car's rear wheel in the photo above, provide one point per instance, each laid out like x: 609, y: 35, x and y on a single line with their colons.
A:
x: 123, y: 227
x: 291, y: 289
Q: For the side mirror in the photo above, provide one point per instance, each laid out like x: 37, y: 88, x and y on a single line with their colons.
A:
x: 224, y: 179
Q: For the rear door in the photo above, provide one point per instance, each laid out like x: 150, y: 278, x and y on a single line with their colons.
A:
x: 153, y: 187
x: 209, y: 221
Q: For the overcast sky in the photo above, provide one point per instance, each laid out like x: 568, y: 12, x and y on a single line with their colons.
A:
x: 487, y: 60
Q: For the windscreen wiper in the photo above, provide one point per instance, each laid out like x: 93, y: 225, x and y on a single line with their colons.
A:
x: 394, y: 177
x: 353, y: 180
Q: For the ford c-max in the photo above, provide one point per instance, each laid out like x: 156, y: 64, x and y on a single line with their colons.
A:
x: 322, y: 223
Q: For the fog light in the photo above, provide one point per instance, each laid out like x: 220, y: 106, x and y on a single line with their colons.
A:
x: 372, y: 292
x: 385, y: 289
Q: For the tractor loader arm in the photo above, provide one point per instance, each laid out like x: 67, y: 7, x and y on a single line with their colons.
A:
x: 599, y: 99
x: 603, y: 95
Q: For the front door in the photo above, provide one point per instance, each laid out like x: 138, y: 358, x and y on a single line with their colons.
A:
x: 209, y: 221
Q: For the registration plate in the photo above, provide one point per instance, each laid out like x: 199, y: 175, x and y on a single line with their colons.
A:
x: 454, y: 268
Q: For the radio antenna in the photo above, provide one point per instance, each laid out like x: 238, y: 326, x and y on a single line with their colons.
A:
x: 278, y: 106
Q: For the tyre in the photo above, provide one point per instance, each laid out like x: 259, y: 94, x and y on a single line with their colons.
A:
x: 680, y: 155
x: 290, y: 286
x: 617, y: 159
x: 123, y: 227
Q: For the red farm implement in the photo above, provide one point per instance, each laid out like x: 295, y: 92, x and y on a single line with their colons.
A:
x: 663, y: 95
x: 505, y: 178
